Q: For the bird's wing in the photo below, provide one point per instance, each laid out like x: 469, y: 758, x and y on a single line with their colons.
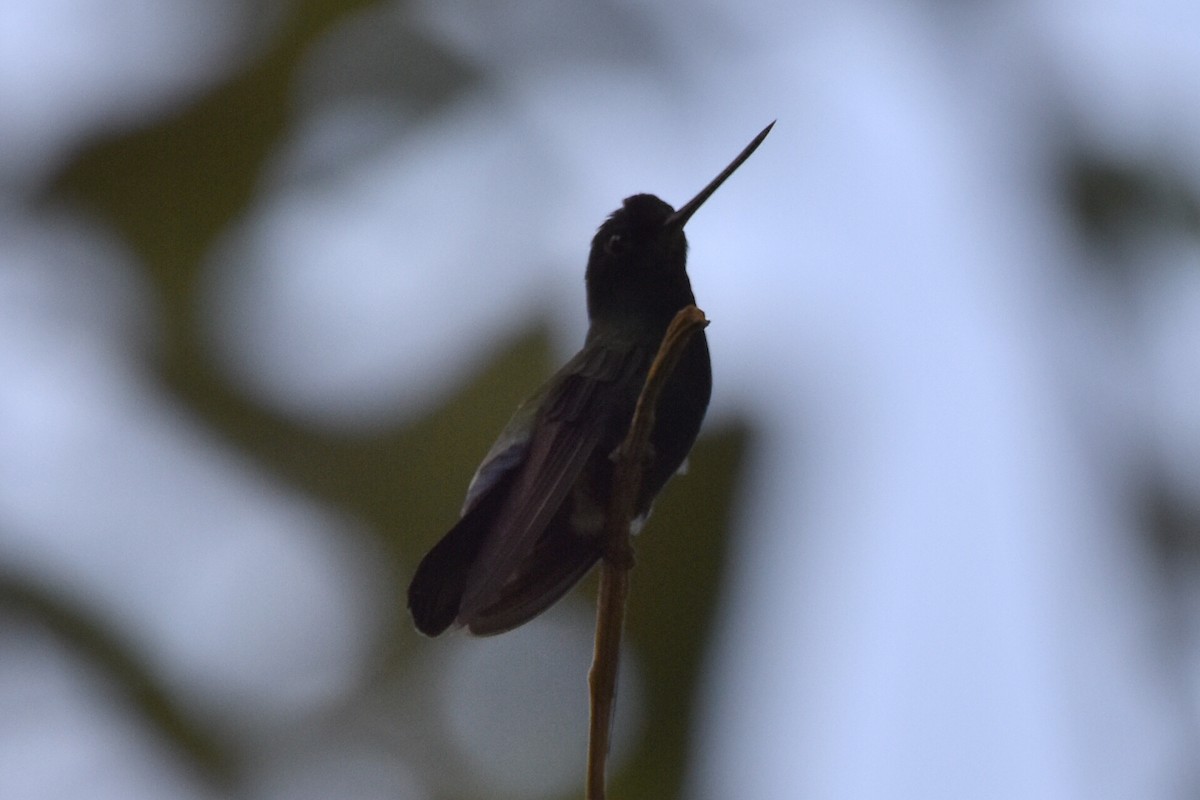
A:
x: 558, y: 561
x: 588, y: 397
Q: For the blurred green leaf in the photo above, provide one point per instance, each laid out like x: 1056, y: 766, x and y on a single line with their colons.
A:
x: 104, y: 650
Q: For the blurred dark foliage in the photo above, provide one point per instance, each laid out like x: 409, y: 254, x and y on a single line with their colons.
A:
x: 1114, y: 204
x: 1111, y: 199
x: 111, y: 656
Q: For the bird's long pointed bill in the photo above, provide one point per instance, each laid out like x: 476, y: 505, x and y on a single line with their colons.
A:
x: 680, y: 217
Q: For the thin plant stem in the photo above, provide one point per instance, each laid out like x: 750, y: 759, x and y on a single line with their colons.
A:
x: 618, y: 552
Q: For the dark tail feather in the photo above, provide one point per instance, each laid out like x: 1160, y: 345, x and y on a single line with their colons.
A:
x: 557, y: 563
x: 437, y: 589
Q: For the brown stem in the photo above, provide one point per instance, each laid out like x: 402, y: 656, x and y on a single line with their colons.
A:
x: 618, y: 553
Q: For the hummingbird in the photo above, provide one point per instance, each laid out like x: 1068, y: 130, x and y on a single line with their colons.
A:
x: 532, y: 522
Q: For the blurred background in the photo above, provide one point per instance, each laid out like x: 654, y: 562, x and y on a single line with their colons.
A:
x: 273, y: 274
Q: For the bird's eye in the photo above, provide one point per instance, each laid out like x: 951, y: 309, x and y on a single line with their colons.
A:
x: 615, y: 245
